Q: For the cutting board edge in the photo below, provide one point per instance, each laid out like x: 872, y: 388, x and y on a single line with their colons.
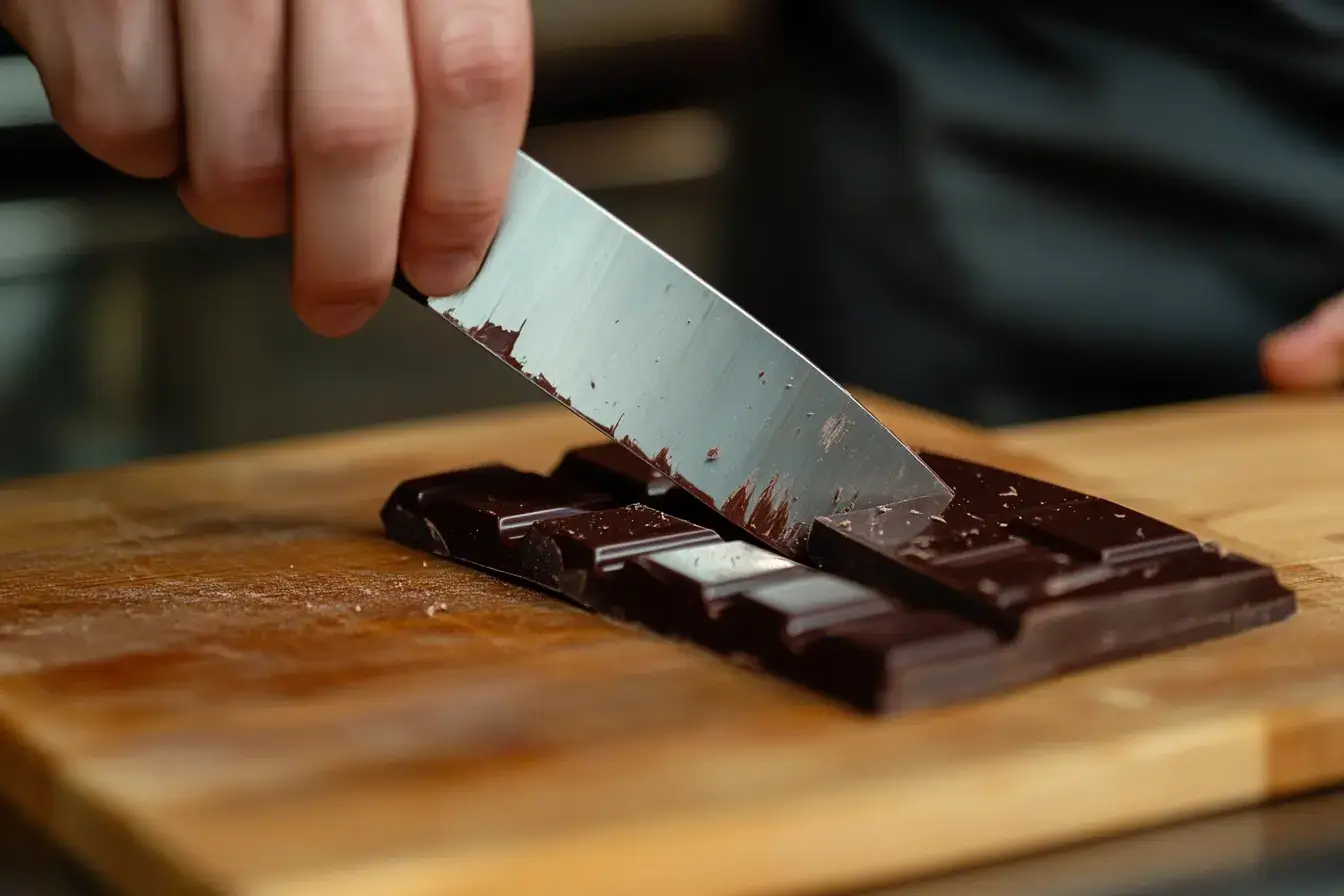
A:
x: 1231, y: 757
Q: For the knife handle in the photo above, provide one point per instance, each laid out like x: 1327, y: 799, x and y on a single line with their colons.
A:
x: 400, y: 282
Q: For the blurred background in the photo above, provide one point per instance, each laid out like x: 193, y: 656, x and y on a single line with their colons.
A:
x: 1005, y: 212
x: 127, y: 330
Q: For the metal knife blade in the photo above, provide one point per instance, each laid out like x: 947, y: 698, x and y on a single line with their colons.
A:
x: 652, y: 356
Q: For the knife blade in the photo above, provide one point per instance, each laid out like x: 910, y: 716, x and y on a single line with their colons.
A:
x: 657, y: 360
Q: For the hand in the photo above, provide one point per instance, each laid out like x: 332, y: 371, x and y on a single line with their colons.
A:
x: 397, y: 138
x: 1309, y: 355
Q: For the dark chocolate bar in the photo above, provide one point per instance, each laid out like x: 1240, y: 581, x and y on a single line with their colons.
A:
x: 913, y: 605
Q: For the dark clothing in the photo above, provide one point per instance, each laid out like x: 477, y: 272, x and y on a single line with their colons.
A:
x: 1018, y: 210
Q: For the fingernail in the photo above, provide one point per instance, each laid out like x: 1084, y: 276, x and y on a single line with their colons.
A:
x: 340, y: 319
x: 444, y: 273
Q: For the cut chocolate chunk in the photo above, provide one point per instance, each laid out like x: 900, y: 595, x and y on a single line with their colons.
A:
x: 580, y: 556
x: 684, y: 592
x: 478, y: 516
x: 616, y: 470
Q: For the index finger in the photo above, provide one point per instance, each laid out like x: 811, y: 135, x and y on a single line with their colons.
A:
x: 473, y: 66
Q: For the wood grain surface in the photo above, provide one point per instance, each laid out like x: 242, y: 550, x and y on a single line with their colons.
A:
x: 217, y: 677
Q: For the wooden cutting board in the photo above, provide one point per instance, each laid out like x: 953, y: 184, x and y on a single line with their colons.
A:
x: 217, y: 677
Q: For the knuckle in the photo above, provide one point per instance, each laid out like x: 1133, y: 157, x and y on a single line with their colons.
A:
x: 105, y: 119
x: 228, y: 176
x: 119, y: 107
x: 480, y: 58
x: 465, y: 221
x: 356, y: 132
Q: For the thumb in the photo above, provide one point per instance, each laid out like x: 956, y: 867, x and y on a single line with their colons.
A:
x: 1308, y: 354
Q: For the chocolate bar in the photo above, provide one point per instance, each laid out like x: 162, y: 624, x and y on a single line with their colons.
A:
x: 907, y: 606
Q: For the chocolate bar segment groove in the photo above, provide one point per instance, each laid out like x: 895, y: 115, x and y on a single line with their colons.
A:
x: 1104, y: 532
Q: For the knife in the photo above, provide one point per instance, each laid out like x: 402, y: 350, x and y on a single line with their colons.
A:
x: 657, y: 360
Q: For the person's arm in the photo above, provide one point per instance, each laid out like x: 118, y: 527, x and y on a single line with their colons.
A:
x: 377, y: 130
x: 1309, y: 355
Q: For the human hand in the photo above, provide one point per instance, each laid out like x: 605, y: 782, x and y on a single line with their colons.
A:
x: 1308, y: 355
x: 378, y: 130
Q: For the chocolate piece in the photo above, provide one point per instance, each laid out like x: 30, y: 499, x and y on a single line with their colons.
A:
x: 767, y: 617
x: 581, y: 556
x: 1014, y: 581
x: 685, y: 592
x: 1068, y: 585
x: 996, y: 576
x: 613, y: 468
x: 403, y: 514
x: 900, y: 661
x: 479, y: 515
